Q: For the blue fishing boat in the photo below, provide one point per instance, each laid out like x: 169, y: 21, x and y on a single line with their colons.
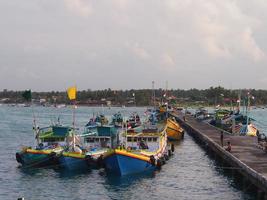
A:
x: 50, y: 142
x: 142, y: 152
x: 89, y: 148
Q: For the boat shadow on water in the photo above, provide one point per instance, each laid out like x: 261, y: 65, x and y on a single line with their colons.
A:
x: 34, y: 171
x: 65, y: 173
x: 126, y: 181
x: 57, y: 171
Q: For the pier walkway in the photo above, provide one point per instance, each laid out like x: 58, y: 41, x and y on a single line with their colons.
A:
x: 245, y: 156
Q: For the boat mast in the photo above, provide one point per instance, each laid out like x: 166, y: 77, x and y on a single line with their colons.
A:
x: 247, y: 108
x: 73, y: 125
x: 153, y: 94
x: 239, y: 101
x: 126, y: 134
x: 72, y: 96
x: 36, y: 129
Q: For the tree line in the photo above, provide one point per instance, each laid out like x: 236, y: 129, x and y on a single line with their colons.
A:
x: 143, y: 97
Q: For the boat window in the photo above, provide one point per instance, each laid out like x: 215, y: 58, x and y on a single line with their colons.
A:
x: 149, y: 139
x: 129, y: 139
x: 138, y: 139
x: 90, y: 140
x: 135, y: 139
x: 154, y: 139
x: 53, y: 139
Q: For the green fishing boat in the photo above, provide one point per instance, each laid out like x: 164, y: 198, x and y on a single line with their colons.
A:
x: 50, y: 141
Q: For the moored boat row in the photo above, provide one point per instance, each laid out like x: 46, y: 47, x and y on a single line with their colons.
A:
x: 122, y: 147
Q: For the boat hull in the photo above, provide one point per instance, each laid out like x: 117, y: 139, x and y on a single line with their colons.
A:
x: 73, y: 162
x: 36, y: 159
x: 125, y: 165
x: 174, y: 131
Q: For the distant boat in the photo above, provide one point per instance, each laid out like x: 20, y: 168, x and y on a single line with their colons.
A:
x: 97, y: 121
x: 133, y: 121
x: 117, y: 120
x: 246, y: 130
x: 60, y: 106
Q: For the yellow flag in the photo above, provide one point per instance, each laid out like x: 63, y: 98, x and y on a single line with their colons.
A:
x: 72, y: 93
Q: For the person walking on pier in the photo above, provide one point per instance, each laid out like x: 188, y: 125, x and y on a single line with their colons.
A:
x: 229, y: 146
x: 222, y: 138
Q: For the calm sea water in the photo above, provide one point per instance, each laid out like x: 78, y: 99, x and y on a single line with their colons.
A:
x: 190, y: 174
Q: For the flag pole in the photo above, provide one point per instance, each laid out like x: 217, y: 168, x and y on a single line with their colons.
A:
x: 73, y: 125
x: 72, y: 96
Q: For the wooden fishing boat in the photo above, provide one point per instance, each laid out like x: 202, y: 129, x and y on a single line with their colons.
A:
x: 142, y: 152
x: 246, y: 130
x: 50, y: 142
x: 174, y: 130
x: 38, y: 158
x: 117, y: 120
x: 97, y: 121
x: 89, y: 148
x: 133, y: 121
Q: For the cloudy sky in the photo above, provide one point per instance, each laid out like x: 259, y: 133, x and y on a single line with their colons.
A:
x: 120, y: 44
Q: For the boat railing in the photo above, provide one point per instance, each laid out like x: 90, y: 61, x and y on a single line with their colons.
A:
x: 87, y: 134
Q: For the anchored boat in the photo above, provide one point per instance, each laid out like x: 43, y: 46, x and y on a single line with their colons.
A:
x: 142, y: 152
x: 174, y: 130
x: 89, y: 148
x: 117, y: 120
x: 50, y: 142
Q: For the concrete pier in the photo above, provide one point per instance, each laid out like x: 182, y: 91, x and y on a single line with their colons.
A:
x: 245, y: 157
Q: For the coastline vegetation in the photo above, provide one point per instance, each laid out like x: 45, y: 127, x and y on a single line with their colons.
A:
x: 143, y: 97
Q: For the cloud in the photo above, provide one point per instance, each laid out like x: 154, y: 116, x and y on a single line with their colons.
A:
x: 167, y: 61
x: 140, y: 52
x: 186, y: 37
x: 222, y: 28
x: 121, y: 4
x: 251, y: 47
x: 80, y: 7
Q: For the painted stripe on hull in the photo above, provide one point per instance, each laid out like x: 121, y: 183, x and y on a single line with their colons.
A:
x: 35, y: 159
x: 124, y: 165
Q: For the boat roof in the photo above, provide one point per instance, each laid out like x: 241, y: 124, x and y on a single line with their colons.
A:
x: 56, y: 131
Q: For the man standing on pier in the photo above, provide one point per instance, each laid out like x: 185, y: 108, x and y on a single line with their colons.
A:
x: 222, y: 138
x: 229, y: 146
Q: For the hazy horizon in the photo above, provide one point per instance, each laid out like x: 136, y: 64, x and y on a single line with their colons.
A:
x: 78, y: 89
x: 123, y: 44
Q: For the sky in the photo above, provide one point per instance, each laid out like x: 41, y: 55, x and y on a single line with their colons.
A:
x: 50, y: 45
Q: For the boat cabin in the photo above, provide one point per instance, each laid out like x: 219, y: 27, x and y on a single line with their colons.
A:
x: 100, y: 137
x: 54, y: 135
x: 143, y: 142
